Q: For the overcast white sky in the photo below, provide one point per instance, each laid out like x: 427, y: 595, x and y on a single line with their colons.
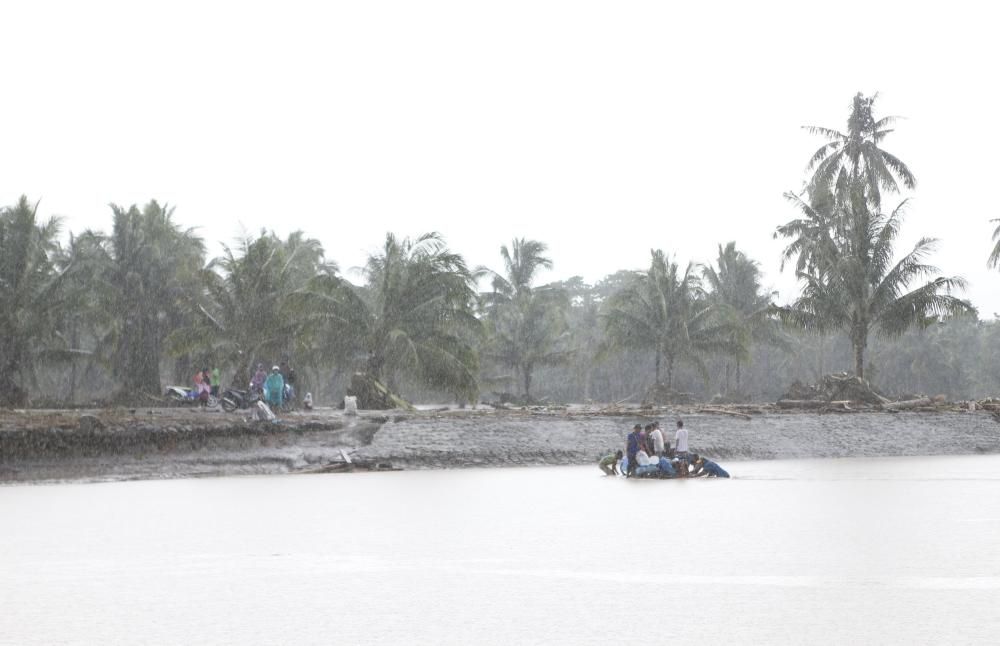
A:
x: 600, y: 128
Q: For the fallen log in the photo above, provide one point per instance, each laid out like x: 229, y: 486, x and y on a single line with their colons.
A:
x: 801, y: 403
x: 721, y: 411
x: 908, y: 404
x: 615, y: 405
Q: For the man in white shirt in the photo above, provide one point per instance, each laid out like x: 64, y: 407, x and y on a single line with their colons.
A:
x: 681, y: 437
x: 657, y: 436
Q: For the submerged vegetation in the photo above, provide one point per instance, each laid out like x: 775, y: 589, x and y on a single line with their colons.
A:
x: 111, y: 314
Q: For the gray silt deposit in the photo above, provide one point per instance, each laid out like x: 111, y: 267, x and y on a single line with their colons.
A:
x: 62, y: 446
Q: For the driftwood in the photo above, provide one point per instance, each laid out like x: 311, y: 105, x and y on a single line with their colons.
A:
x: 374, y: 395
x: 802, y: 403
x: 720, y: 411
x: 614, y: 405
x: 908, y: 404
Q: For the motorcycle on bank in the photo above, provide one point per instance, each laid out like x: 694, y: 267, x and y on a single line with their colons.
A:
x: 233, y: 399
x: 189, y: 396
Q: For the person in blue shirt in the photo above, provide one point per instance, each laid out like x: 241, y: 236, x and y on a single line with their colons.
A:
x: 706, y: 468
x: 667, y: 468
x: 633, y: 444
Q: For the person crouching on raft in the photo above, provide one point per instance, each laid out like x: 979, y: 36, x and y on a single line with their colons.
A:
x: 706, y: 468
x: 609, y: 463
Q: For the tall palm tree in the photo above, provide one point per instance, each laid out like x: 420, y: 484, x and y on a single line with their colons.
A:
x: 85, y: 315
x: 734, y: 289
x: 521, y: 265
x: 859, y: 289
x: 414, y: 315
x: 527, y: 323
x: 854, y: 156
x: 31, y: 293
x: 663, y: 310
x: 151, y: 264
x: 994, y: 260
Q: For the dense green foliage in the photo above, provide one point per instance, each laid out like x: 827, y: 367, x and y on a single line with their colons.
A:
x: 414, y: 317
x: 100, y: 315
x: 664, y: 311
x: 31, y: 297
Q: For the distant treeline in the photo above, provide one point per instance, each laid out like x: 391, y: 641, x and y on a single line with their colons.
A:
x: 112, y: 316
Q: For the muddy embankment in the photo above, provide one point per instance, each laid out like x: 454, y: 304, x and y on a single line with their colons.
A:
x: 164, y: 443
x: 515, y: 438
x: 55, y: 445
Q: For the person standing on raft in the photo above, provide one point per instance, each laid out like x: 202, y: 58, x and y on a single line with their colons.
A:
x: 633, y: 444
x: 681, y: 437
x: 657, y: 440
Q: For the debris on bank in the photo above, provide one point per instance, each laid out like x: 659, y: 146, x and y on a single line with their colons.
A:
x: 845, y: 393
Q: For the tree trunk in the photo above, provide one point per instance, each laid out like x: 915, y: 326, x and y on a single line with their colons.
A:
x: 527, y: 382
x: 822, y: 337
x: 738, y: 364
x: 658, y: 355
x: 74, y: 340
x: 376, y: 365
x: 670, y: 373
x: 859, y: 339
x: 11, y: 394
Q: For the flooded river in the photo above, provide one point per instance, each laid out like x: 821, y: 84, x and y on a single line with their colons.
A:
x: 863, y: 550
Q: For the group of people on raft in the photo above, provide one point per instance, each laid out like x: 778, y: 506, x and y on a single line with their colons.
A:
x: 648, y: 454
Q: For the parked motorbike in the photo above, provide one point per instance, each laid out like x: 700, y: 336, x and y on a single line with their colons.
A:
x: 233, y: 399
x: 189, y: 396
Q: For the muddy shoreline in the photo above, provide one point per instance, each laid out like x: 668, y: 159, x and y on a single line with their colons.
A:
x: 64, y: 445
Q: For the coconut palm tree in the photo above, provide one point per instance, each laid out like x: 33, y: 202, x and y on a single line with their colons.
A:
x: 31, y: 290
x: 664, y: 310
x: 527, y: 323
x: 856, y: 287
x: 522, y: 262
x: 854, y: 157
x: 994, y: 260
x: 414, y: 315
x: 151, y: 263
x: 733, y: 287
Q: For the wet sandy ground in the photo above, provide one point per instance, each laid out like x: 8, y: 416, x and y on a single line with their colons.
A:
x: 512, y: 438
x: 49, y: 445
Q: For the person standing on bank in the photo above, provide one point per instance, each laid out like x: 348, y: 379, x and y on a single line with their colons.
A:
x: 681, y: 437
x: 216, y: 381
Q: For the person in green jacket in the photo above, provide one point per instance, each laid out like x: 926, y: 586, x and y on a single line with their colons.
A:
x: 609, y: 463
x: 216, y: 381
x: 274, y: 388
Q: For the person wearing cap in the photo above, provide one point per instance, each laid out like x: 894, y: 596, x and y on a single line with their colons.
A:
x: 633, y: 444
x: 274, y: 387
